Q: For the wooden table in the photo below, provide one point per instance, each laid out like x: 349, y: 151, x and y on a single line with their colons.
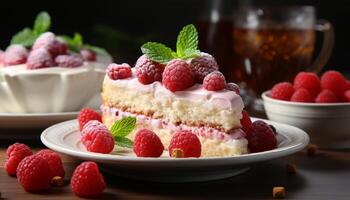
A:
x: 324, y: 176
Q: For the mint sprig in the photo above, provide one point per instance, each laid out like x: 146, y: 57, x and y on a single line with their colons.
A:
x: 27, y: 36
x: 186, y: 47
x: 121, y: 129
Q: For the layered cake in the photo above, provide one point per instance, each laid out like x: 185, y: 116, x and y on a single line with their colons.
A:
x: 182, y: 92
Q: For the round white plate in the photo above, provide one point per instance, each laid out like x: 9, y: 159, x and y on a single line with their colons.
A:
x: 65, y: 138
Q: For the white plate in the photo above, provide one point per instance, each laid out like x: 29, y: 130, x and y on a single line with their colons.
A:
x: 65, y: 138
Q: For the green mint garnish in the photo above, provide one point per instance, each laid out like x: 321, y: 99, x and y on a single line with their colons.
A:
x: 42, y: 23
x: 186, y: 47
x: 123, y: 128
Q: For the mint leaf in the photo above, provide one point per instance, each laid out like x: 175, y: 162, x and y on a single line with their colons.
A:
x: 187, y: 39
x: 123, y: 127
x: 71, y: 45
x: 25, y: 37
x: 78, y: 40
x: 123, y: 142
x: 42, y: 23
x: 96, y: 49
x: 157, y: 52
x: 191, y: 53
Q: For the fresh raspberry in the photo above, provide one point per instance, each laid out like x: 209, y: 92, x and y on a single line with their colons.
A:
x: 214, y: 81
x: 262, y: 138
x: 148, y: 71
x: 348, y: 85
x: 177, y: 76
x: 202, y: 66
x: 187, y: 142
x: 91, y: 125
x: 246, y: 123
x: 34, y: 173
x: 302, y: 95
x: 326, y: 96
x: 15, y: 55
x: 308, y: 81
x: 39, y: 58
x: 233, y: 87
x: 49, y: 41
x: 282, y: 91
x: 88, y: 54
x: 118, y: 71
x: 97, y: 139
x: 147, y: 144
x: 87, y: 181
x: 70, y: 61
x: 334, y: 81
x: 347, y: 96
x: 14, y: 154
x: 54, y: 161
x: 87, y: 114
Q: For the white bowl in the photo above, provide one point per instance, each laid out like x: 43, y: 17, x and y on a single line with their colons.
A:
x: 327, y: 124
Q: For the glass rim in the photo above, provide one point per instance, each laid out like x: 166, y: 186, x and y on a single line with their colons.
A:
x: 306, y: 8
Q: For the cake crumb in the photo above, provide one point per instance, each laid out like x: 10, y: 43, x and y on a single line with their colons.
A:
x: 57, y: 181
x: 312, y: 149
x: 278, y: 192
x: 291, y: 169
x: 177, y: 153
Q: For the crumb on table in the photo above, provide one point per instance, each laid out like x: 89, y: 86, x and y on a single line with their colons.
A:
x: 291, y: 169
x: 278, y: 192
x: 312, y: 149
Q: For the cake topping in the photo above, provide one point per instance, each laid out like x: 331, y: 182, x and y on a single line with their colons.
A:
x: 88, y: 55
x: 69, y: 60
x: 148, y: 71
x: 177, y: 75
x: 15, y: 54
x: 202, y: 66
x: 214, y: 81
x: 39, y: 58
x: 49, y: 41
x: 118, y: 71
x: 233, y: 87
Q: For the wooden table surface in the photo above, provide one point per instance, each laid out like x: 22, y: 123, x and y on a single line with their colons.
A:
x: 324, y: 176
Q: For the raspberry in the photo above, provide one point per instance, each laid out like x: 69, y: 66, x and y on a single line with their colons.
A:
x: 308, y: 81
x: 54, y: 161
x: 148, y: 71
x: 14, y: 154
x: 147, y: 144
x: 262, y: 138
x: 15, y: 55
x: 177, y: 76
x: 91, y: 125
x: 87, y: 181
x: 214, y: 81
x: 97, y: 139
x: 347, y: 96
x: 87, y: 114
x: 246, y: 123
x: 34, y: 173
x: 326, y: 96
x: 282, y: 91
x: 39, y: 58
x: 49, y: 41
x: 118, y: 71
x: 334, y: 81
x: 347, y: 85
x: 2, y: 54
x: 302, y: 95
x: 187, y: 142
x: 233, y: 87
x: 69, y: 61
x: 88, y: 55
x: 202, y: 66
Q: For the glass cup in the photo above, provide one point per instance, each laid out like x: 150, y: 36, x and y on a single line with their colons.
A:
x: 272, y: 44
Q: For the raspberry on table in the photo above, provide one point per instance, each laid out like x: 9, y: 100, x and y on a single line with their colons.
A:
x: 246, y: 123
x: 187, y: 142
x: 98, y: 139
x: 308, y: 81
x: 15, y: 153
x: 302, y: 95
x: 282, y: 91
x: 147, y: 144
x: 87, y: 181
x: 233, y: 87
x: 326, y: 96
x: 118, y: 71
x: 202, y: 66
x: 334, y: 81
x: 14, y: 55
x: 88, y: 54
x: 34, y: 173
x: 148, y: 71
x: 70, y: 61
x: 49, y: 41
x: 177, y: 75
x: 39, y: 58
x: 214, y: 81
x: 54, y: 161
x: 347, y: 96
x: 262, y: 137
x: 87, y: 114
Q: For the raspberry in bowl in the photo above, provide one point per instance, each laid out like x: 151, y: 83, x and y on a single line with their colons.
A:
x: 318, y: 105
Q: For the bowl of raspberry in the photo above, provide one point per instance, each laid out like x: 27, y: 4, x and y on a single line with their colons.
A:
x: 318, y: 105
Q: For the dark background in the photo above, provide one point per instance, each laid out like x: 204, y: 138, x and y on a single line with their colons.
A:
x: 122, y: 26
